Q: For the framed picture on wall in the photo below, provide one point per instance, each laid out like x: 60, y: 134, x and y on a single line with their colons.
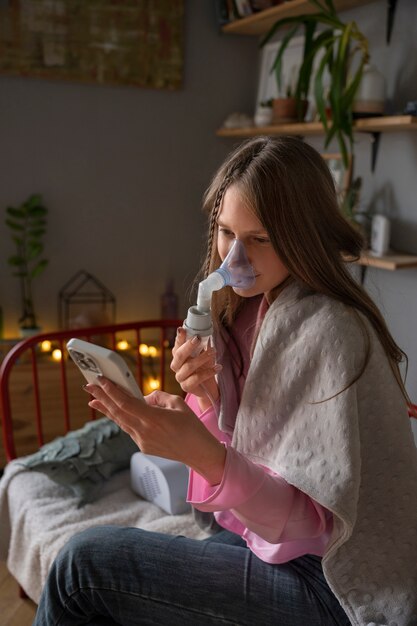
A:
x: 342, y: 175
x: 106, y: 42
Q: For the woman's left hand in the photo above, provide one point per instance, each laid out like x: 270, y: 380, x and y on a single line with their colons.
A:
x: 162, y: 425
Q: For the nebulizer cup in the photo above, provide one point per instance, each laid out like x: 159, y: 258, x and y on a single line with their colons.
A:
x: 235, y: 271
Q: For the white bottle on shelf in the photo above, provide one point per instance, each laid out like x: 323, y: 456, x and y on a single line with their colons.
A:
x: 380, y: 235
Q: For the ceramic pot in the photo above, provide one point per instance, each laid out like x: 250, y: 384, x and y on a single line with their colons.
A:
x: 285, y: 110
x: 370, y: 97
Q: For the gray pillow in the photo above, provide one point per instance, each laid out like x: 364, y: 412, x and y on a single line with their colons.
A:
x: 84, y: 459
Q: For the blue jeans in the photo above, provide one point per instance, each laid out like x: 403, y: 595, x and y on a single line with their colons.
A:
x: 113, y: 575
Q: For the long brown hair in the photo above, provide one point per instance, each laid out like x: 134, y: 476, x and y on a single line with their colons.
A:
x: 288, y: 186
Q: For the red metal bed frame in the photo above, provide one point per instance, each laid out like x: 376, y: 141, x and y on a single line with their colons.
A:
x: 59, y: 338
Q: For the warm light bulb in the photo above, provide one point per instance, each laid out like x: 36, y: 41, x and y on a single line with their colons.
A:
x: 143, y: 349
x: 154, y: 383
x: 123, y: 345
x: 46, y: 346
x: 152, y: 351
x: 57, y: 354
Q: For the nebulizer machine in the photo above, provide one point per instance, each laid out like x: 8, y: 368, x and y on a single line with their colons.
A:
x: 162, y: 481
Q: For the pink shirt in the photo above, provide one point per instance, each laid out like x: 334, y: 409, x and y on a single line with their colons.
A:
x: 277, y: 521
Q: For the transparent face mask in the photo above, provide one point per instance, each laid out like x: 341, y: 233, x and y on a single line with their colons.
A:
x: 236, y: 269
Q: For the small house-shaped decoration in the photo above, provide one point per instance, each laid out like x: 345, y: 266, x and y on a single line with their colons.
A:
x: 84, y: 301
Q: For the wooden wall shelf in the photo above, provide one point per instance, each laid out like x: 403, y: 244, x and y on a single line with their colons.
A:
x: 392, y: 261
x: 260, y: 23
x: 393, y: 123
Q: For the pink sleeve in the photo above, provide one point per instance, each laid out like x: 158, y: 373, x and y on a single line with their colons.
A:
x: 263, y: 501
x: 207, y: 417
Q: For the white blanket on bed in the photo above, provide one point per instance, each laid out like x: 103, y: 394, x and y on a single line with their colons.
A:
x: 37, y: 517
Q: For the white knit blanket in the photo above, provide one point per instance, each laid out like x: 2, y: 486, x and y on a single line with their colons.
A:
x: 354, y: 454
x: 37, y: 517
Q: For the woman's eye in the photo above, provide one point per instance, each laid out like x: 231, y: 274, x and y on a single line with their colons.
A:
x: 261, y: 239
x: 225, y: 232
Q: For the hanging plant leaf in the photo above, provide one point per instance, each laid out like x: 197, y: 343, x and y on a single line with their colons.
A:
x: 319, y: 91
x: 329, y: 6
x: 14, y: 225
x: 303, y: 84
x: 277, y: 65
x: 34, y: 249
x: 38, y: 269
x: 37, y: 232
x: 37, y: 211
x: 37, y: 222
x: 16, y: 260
x: 14, y: 212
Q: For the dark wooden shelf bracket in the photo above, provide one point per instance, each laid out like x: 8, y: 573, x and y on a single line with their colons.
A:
x: 392, y: 5
x: 376, y: 139
x: 363, y: 269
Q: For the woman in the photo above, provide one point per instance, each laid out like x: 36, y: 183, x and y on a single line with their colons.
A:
x: 295, y: 430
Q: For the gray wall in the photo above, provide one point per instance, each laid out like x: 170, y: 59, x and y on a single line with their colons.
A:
x: 123, y: 170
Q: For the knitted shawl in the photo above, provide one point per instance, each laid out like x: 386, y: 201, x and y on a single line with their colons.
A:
x: 352, y: 452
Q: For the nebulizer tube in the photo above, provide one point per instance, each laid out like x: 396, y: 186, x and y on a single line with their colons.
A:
x: 235, y: 271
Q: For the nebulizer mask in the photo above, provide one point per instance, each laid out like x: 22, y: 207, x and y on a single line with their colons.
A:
x: 235, y: 271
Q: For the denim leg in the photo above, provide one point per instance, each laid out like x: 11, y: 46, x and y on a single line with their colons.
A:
x: 112, y: 575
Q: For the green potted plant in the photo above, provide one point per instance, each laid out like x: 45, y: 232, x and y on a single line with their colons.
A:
x: 335, y: 48
x: 287, y: 107
x: 27, y: 224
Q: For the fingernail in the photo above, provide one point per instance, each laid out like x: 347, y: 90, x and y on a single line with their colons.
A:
x: 195, y: 339
x: 218, y: 368
x: 180, y: 330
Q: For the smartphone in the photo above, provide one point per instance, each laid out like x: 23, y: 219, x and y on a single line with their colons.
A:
x: 94, y: 361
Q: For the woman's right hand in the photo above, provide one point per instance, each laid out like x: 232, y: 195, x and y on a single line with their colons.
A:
x: 195, y: 374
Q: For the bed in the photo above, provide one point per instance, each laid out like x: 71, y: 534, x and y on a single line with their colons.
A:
x: 41, y: 398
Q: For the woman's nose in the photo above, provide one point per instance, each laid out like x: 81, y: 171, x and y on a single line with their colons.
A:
x: 244, y: 249
x: 240, y: 254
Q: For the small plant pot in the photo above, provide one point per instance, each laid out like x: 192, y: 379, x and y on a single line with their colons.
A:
x: 286, y: 110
